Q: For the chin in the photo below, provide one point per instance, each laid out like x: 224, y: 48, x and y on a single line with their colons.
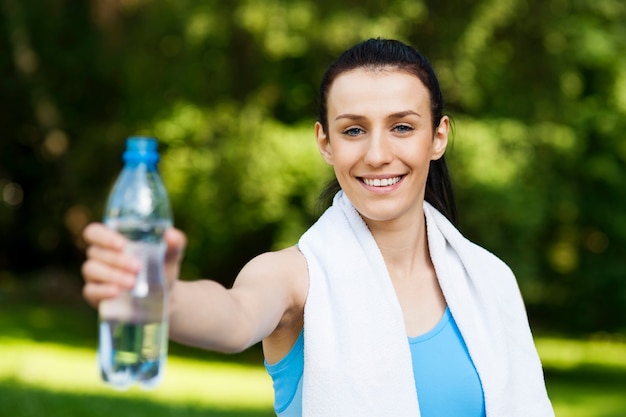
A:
x: 388, y: 209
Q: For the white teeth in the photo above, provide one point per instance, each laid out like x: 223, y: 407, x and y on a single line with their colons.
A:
x: 385, y: 182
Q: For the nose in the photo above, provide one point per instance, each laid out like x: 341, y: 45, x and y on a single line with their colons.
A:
x: 379, y: 150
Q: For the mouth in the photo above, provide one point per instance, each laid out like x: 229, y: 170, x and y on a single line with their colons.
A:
x: 381, y: 182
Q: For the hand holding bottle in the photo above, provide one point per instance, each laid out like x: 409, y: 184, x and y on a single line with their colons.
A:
x: 108, y: 269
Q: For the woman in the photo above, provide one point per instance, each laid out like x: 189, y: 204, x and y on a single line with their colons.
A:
x: 382, y: 308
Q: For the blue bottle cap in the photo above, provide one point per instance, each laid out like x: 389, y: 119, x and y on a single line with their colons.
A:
x: 141, y: 149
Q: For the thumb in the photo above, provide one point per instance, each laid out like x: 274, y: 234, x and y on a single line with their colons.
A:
x: 176, y: 242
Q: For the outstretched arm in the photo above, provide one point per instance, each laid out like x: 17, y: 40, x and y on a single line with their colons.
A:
x: 266, y: 292
x: 203, y: 313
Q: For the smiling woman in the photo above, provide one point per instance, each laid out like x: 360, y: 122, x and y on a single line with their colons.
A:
x: 379, y: 138
x: 383, y: 307
x: 399, y: 60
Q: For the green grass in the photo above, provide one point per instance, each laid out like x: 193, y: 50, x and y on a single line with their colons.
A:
x: 18, y: 400
x: 585, y: 378
x: 47, y: 379
x: 48, y: 369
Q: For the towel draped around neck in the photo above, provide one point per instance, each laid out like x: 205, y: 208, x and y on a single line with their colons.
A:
x: 357, y: 360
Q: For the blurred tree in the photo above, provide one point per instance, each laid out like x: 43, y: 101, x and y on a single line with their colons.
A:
x: 537, y: 90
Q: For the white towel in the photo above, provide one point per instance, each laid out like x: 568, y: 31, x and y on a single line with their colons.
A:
x: 357, y: 360
x: 485, y: 301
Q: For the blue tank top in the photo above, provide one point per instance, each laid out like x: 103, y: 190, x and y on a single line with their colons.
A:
x: 445, y: 376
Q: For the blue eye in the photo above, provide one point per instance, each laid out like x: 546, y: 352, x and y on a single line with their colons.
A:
x: 353, y: 131
x: 403, y: 128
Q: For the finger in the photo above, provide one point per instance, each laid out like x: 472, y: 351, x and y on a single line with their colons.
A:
x: 99, y: 234
x: 96, y: 293
x: 176, y: 242
x: 114, y: 258
x: 97, y: 272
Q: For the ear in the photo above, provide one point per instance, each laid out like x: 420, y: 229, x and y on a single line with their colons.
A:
x: 323, y: 143
x: 440, y: 140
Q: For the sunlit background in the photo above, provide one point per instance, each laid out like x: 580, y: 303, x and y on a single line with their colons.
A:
x: 537, y: 93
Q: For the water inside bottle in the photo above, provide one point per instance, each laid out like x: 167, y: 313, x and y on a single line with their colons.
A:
x: 133, y: 326
x: 148, y: 231
x: 132, y: 352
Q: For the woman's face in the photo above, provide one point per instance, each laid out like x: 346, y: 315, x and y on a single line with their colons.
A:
x: 380, y: 141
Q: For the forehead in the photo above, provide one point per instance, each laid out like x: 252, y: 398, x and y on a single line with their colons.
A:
x: 378, y: 89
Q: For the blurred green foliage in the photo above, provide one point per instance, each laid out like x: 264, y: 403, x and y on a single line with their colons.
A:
x: 537, y: 90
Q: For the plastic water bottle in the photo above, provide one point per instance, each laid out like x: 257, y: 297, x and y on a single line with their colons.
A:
x: 134, y: 325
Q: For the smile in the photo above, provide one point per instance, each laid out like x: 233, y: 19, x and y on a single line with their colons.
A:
x: 381, y: 182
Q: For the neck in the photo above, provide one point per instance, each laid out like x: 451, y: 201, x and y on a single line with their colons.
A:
x: 403, y: 245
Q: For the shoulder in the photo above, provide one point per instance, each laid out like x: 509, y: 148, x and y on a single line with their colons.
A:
x: 286, y: 263
x: 486, y: 269
x: 442, y: 233
x: 488, y: 259
x: 284, y: 271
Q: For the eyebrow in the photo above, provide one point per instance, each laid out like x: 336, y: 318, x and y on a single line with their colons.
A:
x: 402, y: 114
x: 398, y: 115
x: 349, y: 116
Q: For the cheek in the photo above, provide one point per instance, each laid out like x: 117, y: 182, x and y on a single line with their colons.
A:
x: 345, y: 161
x: 418, y: 156
x: 345, y: 153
